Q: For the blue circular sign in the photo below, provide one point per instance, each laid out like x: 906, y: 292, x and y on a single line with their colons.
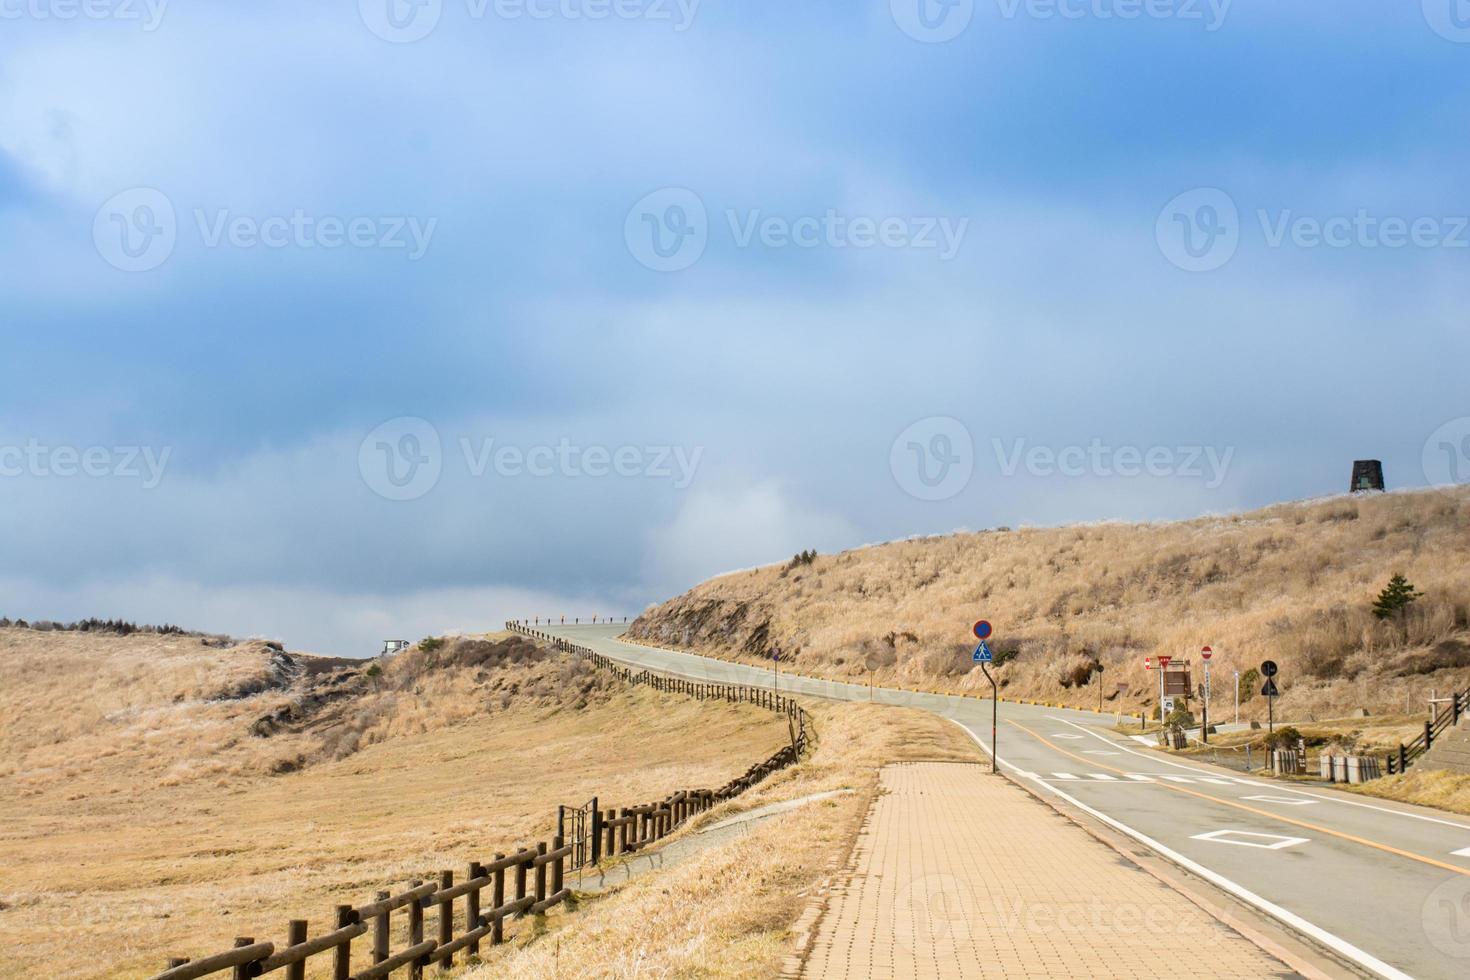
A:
x: 982, y: 629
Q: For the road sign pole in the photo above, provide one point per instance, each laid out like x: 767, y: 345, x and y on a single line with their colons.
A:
x: 1237, y: 697
x: 1268, y: 671
x: 983, y: 656
x: 994, y: 700
x: 1204, y: 728
x: 1161, y: 694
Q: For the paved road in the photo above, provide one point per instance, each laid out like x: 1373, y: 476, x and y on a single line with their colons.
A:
x: 1386, y: 886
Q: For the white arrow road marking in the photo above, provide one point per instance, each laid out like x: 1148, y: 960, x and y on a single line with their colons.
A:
x: 1285, y: 915
x: 1277, y: 841
x: 1463, y: 852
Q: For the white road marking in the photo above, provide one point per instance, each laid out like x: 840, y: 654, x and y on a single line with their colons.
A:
x: 1283, y: 800
x: 1336, y: 943
x: 1286, y: 916
x: 1102, y: 775
x: 1214, y: 779
x: 1177, y: 779
x: 1278, y: 841
x: 1463, y: 852
x: 1099, y: 752
x: 1064, y: 735
x: 1139, y: 776
x: 1064, y: 775
x: 1261, y: 784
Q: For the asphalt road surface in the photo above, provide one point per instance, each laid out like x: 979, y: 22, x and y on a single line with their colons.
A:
x: 1384, y: 885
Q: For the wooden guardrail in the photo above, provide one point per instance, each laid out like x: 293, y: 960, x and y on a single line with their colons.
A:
x: 1399, y: 761
x: 528, y: 881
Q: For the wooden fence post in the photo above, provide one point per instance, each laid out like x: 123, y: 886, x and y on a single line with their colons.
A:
x: 295, y: 936
x: 416, y: 933
x: 342, y: 954
x: 556, y: 866
x: 596, y: 855
x: 520, y: 884
x: 242, y: 972
x: 472, y: 908
x: 497, y: 899
x: 380, y: 932
x: 446, y: 919
x: 541, y: 873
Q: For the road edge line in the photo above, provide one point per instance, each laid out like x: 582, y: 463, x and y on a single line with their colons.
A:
x: 1308, y: 930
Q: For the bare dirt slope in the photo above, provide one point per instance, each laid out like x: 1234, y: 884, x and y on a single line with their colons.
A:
x: 160, y: 796
x: 1294, y: 583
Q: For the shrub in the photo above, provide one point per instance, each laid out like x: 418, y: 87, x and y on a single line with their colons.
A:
x: 1181, y: 715
x: 1247, y: 689
x: 431, y: 643
x: 801, y: 558
x: 1284, y: 737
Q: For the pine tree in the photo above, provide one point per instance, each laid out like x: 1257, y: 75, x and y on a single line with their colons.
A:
x: 1395, y: 597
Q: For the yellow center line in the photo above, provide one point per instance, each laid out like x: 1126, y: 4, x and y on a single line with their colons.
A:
x: 1260, y: 813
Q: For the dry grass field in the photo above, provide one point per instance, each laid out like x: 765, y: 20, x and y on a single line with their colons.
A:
x: 729, y: 912
x: 159, y: 796
x: 1293, y: 582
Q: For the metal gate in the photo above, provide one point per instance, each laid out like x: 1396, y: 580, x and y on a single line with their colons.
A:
x: 580, y: 827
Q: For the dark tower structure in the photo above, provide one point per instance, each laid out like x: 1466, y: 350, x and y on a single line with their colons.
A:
x: 1367, y: 475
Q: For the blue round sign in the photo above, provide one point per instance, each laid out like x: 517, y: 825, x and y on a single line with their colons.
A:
x: 982, y: 629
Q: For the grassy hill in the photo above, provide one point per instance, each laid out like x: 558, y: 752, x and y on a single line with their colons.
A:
x: 161, y: 794
x: 1294, y: 583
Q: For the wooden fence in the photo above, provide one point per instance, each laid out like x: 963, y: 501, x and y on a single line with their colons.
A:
x: 1399, y: 761
x: 528, y: 881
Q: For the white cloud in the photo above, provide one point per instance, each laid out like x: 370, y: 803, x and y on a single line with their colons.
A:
x: 311, y: 620
x: 718, y: 530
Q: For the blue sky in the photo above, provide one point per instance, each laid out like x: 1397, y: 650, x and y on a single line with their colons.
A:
x: 1084, y: 259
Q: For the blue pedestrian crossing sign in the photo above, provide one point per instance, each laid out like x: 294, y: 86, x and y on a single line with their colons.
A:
x: 983, y: 654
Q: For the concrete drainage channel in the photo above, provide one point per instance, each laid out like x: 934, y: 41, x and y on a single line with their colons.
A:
x: 595, y: 881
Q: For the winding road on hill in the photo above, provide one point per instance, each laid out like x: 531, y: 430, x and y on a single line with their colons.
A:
x: 1382, y: 885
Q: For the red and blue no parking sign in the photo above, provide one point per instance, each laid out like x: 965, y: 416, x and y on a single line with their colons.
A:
x: 982, y: 629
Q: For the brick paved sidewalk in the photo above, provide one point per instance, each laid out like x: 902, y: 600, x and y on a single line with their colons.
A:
x: 959, y: 873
